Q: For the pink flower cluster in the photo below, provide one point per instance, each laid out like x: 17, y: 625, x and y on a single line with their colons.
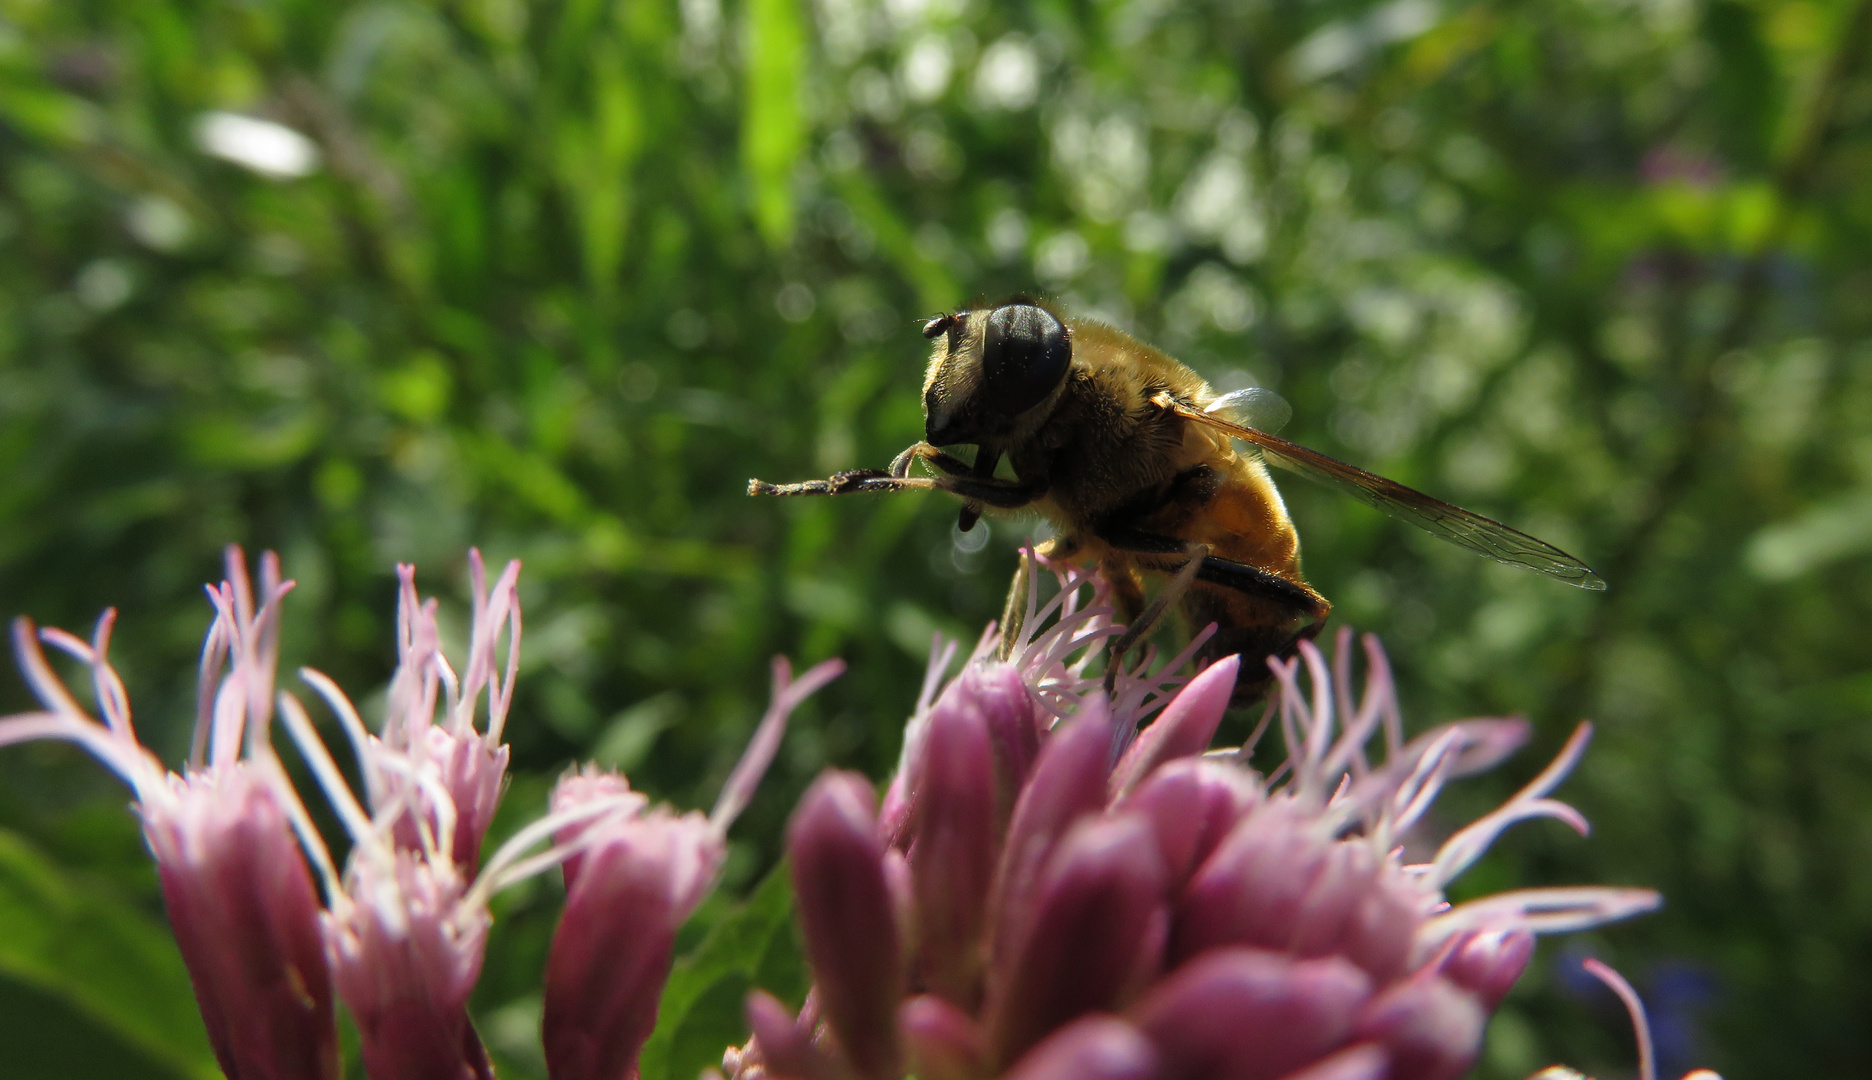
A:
x: 273, y: 933
x: 1049, y: 893
x: 1058, y: 884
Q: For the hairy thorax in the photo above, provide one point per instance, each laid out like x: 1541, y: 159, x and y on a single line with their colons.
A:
x: 1111, y: 454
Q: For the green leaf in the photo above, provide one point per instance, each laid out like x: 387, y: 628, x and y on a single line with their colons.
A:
x: 700, y: 1015
x: 103, y: 957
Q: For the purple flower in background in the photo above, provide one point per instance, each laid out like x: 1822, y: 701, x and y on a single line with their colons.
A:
x: 467, y: 763
x: 408, y: 924
x: 401, y: 932
x: 1054, y: 887
x: 226, y: 832
x: 1668, y: 164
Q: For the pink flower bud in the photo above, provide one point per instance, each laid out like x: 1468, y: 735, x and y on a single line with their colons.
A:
x: 583, y: 787
x: 233, y: 869
x: 952, y: 856
x: 1183, y: 729
x: 242, y: 904
x: 1008, y: 711
x: 847, y: 919
x: 1095, y: 1048
x: 632, y: 878
x: 639, y: 879
x: 1382, y: 931
x: 1250, y: 891
x: 452, y: 755
x: 474, y: 773
x: 1096, y: 913
x: 1431, y: 1028
x: 1245, y: 1014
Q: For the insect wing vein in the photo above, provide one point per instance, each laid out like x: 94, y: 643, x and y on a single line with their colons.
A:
x: 1479, y: 534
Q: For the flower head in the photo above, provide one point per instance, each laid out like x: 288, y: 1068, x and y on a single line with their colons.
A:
x: 1088, y: 896
x: 406, y: 923
x: 226, y: 832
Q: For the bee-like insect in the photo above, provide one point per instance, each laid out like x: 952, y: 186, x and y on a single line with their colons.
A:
x: 1141, y: 466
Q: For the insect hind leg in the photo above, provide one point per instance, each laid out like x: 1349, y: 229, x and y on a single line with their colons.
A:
x: 1256, y: 639
x: 1254, y: 643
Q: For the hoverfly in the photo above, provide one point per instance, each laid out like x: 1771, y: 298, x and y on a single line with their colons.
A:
x: 1141, y: 466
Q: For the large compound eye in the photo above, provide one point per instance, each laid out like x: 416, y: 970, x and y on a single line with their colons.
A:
x: 1025, y: 353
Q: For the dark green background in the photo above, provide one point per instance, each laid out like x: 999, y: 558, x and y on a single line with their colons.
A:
x: 570, y: 272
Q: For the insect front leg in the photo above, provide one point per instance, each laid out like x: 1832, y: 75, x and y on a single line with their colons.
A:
x: 985, y: 462
x: 843, y: 483
x: 938, y: 457
x: 1003, y: 494
x: 983, y: 469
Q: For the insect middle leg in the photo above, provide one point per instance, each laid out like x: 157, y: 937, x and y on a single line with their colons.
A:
x: 1146, y: 620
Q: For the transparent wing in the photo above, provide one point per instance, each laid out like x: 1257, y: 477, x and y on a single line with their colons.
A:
x: 1484, y: 536
x: 1256, y: 407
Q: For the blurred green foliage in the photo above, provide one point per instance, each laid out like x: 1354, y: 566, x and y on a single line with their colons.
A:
x: 556, y: 277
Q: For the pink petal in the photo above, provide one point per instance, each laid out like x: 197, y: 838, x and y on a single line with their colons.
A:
x: 1096, y: 905
x: 1253, y: 889
x: 1280, y: 881
x: 786, y: 1045
x: 1068, y: 782
x: 952, y: 856
x: 1192, y: 804
x: 1366, y: 1061
x: 1008, y: 710
x: 1488, y: 962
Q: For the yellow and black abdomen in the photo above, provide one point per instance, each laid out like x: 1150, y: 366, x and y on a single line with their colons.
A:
x: 1243, y: 520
